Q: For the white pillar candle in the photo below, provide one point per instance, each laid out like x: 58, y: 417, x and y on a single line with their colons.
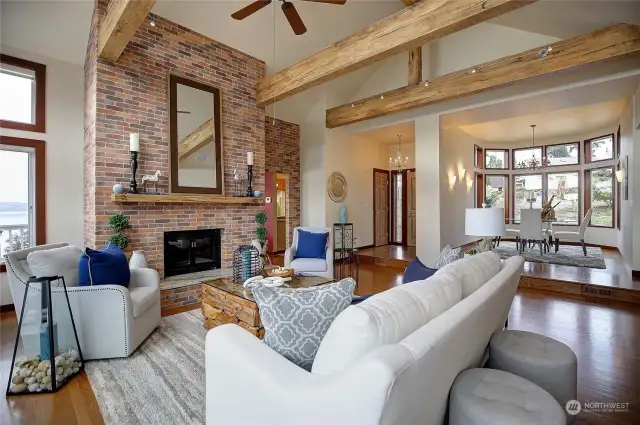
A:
x: 134, y: 142
x: 249, y: 158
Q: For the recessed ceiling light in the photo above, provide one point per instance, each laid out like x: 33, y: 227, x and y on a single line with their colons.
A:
x: 353, y: 106
x: 473, y: 70
x: 381, y: 97
x: 152, y: 21
x: 426, y: 83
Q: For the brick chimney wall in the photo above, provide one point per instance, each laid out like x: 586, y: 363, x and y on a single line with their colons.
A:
x: 131, y: 96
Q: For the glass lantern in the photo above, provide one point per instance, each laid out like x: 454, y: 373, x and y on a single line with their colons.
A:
x: 47, y: 352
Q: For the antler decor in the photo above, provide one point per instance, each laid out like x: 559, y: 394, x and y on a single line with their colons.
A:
x: 548, y: 212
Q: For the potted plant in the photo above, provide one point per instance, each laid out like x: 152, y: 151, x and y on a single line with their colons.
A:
x: 260, y: 243
x: 119, y: 223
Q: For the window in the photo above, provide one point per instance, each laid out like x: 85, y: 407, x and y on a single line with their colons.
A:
x: 521, y: 156
x: 497, y: 159
x: 497, y: 192
x: 527, y: 193
x: 478, y: 156
x: 22, y: 94
x: 599, y: 149
x: 565, y: 154
x: 565, y: 188
x: 22, y: 208
x: 599, y: 195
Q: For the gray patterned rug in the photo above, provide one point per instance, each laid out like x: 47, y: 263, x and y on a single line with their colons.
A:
x: 163, y: 382
x: 568, y: 255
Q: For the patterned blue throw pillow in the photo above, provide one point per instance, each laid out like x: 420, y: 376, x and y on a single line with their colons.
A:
x: 296, y: 320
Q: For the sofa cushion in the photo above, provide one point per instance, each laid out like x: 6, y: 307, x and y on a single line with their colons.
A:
x: 386, y: 318
x: 143, y: 297
x: 474, y: 271
x: 61, y: 261
x: 309, y: 265
x: 296, y: 320
x: 416, y: 270
x: 311, y: 245
x: 448, y: 255
x: 108, y: 266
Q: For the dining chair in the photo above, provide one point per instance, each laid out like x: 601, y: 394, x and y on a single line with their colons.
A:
x: 531, y: 228
x: 578, y: 236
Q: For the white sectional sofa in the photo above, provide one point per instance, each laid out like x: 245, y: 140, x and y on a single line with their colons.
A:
x: 390, y: 360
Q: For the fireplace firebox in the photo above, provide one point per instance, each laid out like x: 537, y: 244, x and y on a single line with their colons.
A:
x: 189, y: 251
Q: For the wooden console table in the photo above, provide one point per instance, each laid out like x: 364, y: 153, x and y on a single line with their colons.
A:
x: 224, y: 301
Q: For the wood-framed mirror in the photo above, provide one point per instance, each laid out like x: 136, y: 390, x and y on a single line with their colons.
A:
x: 195, y: 137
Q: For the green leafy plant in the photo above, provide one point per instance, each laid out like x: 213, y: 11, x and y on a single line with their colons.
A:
x: 119, y: 223
x: 261, y: 230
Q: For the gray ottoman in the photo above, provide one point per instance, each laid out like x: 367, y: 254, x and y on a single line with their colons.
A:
x: 494, y: 397
x: 544, y: 361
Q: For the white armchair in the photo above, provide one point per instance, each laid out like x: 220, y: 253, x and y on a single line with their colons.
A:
x: 310, y: 266
x: 111, y: 320
x: 574, y: 236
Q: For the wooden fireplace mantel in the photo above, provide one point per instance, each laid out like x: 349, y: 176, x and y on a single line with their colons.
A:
x: 185, y: 198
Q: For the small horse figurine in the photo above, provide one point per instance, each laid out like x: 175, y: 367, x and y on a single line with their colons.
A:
x: 153, y: 178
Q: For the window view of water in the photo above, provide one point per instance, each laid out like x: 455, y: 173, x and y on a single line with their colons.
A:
x: 14, y: 225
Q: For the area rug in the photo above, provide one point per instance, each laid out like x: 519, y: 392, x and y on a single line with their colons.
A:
x: 163, y: 382
x: 568, y: 255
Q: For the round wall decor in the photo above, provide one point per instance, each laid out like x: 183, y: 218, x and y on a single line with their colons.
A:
x: 337, y: 187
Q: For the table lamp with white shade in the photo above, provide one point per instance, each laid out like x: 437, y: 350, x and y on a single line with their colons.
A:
x: 487, y: 223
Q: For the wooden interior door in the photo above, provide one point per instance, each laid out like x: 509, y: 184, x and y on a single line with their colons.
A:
x: 411, y: 208
x: 380, y: 207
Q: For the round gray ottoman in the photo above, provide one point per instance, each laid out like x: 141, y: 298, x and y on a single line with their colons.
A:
x: 494, y: 397
x: 544, y: 361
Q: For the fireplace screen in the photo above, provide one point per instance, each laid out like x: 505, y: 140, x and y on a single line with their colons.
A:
x: 191, y: 251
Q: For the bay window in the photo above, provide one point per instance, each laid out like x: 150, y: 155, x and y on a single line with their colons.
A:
x: 565, y: 188
x: 527, y: 191
x: 599, y: 195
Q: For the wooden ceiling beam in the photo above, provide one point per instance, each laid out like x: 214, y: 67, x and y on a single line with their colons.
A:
x: 406, y: 29
x: 609, y: 43
x: 200, y: 137
x: 415, y: 65
x: 118, y: 26
x: 410, y: 2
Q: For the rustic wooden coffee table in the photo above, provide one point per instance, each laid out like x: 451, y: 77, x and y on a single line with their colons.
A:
x: 224, y: 301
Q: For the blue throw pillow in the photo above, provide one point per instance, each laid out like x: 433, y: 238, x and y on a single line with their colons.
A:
x: 105, y: 267
x: 311, y: 245
x: 417, y: 271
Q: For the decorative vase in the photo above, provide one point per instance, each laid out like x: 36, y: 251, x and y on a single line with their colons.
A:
x: 138, y: 260
x: 118, y: 188
x: 343, y: 213
x: 262, y: 250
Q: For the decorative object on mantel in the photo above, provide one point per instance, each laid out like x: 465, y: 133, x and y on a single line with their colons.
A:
x: 118, y: 188
x: 249, y: 173
x: 134, y: 148
x: 246, y: 263
x: 549, y: 211
x: 48, y: 368
x: 261, y: 242
x: 257, y: 193
x: 138, y: 260
x: 337, y: 187
x: 185, y: 198
x: 119, y: 223
x: 239, y: 183
x: 153, y: 178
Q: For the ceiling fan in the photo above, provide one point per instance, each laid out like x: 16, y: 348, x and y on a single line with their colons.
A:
x: 287, y: 7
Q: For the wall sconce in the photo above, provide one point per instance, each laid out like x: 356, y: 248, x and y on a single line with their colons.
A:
x: 452, y: 181
x: 620, y: 175
x: 469, y: 184
x: 461, y: 173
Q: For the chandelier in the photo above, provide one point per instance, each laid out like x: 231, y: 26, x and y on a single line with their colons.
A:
x: 534, y: 164
x: 398, y: 162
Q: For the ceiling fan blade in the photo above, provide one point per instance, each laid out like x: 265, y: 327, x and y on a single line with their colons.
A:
x: 329, y: 1
x: 294, y: 18
x: 251, y: 9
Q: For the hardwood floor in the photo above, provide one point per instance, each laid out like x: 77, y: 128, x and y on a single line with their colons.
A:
x: 606, y: 339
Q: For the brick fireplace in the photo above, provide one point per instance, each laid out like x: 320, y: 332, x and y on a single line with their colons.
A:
x: 131, y: 96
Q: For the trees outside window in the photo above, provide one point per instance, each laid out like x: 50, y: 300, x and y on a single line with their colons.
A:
x: 602, y: 197
x: 566, y: 154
